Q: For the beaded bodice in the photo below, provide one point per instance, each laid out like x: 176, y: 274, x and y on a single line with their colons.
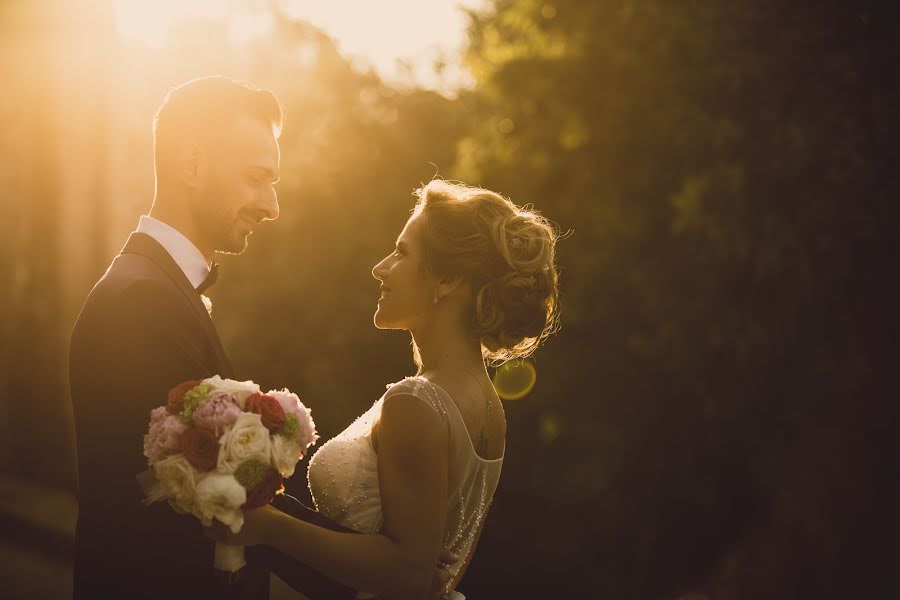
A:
x: 343, y: 473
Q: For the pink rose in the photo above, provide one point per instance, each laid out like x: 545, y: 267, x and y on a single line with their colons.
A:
x: 306, y: 428
x: 216, y: 413
x: 164, y: 437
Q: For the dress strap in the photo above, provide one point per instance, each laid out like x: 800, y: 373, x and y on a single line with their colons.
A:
x: 422, y: 389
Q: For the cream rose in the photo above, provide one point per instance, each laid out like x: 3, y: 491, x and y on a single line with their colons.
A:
x: 179, y: 480
x: 285, y: 454
x: 239, y: 390
x: 220, y: 497
x: 247, y: 439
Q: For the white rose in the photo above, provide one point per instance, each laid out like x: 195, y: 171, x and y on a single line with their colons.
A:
x: 221, y: 497
x: 285, y: 454
x: 239, y: 390
x: 179, y: 480
x: 247, y: 439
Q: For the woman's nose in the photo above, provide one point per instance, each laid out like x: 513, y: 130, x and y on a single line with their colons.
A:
x: 378, y: 271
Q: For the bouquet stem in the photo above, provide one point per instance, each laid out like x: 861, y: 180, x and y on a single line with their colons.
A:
x: 229, y: 558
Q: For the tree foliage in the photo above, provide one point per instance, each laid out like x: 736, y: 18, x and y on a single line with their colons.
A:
x: 726, y: 170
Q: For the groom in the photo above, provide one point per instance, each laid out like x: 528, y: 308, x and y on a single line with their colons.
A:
x: 144, y: 328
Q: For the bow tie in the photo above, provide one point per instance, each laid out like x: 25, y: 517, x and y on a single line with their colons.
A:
x: 210, y: 279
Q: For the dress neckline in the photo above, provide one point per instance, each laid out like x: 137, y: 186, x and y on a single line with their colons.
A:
x: 463, y: 421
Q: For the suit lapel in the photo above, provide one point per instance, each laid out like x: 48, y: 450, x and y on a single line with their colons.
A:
x: 145, y: 245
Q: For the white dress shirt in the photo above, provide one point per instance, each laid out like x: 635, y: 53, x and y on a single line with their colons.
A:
x: 182, y: 250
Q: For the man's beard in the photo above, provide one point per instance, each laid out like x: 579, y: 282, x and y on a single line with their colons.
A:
x: 219, y: 230
x: 227, y: 238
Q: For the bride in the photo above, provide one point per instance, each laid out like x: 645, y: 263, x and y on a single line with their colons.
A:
x: 472, y: 278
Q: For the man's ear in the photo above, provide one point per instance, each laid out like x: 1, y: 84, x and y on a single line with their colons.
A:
x: 189, y: 160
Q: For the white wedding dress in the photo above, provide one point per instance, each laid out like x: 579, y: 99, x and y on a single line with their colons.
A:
x: 343, y: 474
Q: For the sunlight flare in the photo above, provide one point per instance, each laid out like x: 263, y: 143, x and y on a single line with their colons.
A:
x: 403, y: 40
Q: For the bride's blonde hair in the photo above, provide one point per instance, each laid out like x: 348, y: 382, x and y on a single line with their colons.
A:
x: 505, y: 252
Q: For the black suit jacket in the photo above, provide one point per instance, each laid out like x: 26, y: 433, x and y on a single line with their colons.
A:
x: 143, y: 329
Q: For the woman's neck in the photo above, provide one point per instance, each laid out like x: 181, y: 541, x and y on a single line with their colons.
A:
x: 447, y: 350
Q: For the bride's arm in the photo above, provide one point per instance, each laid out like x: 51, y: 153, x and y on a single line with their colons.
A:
x: 399, y: 562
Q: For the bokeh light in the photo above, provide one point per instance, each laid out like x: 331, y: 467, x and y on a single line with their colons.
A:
x: 515, y: 379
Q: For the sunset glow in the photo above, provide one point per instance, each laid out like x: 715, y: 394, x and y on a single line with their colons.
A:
x: 400, y: 39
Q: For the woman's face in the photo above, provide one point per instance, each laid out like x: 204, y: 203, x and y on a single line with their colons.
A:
x: 406, y: 291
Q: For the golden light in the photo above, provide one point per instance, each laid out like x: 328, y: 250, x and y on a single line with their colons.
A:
x: 515, y: 379
x: 150, y: 22
x: 307, y: 55
x: 247, y: 25
x: 400, y: 39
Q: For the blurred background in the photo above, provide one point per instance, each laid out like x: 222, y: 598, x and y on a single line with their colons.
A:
x: 717, y: 418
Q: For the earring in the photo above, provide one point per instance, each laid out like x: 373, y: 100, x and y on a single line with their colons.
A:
x: 436, y: 299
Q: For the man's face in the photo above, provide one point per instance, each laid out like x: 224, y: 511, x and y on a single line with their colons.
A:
x: 239, y: 172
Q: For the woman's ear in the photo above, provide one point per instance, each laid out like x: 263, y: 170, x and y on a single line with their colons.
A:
x: 448, y: 285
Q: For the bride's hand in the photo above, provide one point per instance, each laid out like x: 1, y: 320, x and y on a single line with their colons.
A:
x: 254, y: 531
x: 441, y: 576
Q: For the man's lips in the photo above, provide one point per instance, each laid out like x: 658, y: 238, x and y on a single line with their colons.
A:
x: 249, y: 222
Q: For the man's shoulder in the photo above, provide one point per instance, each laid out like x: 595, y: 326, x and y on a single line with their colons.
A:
x: 131, y: 283
x: 131, y: 273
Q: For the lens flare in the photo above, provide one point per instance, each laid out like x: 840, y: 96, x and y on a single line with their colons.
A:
x: 515, y: 379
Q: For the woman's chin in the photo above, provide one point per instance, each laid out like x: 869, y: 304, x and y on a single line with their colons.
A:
x: 381, y: 322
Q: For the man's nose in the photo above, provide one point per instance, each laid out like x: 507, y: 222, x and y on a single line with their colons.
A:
x: 269, y: 208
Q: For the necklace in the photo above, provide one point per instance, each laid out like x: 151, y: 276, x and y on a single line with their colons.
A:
x: 481, y: 442
x: 490, y: 397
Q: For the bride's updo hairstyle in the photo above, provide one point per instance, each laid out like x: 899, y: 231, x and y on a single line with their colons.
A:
x: 505, y: 252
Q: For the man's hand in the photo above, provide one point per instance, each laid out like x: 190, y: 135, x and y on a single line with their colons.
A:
x: 441, y: 575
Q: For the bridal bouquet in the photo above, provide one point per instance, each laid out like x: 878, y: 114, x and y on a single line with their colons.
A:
x: 219, y: 446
